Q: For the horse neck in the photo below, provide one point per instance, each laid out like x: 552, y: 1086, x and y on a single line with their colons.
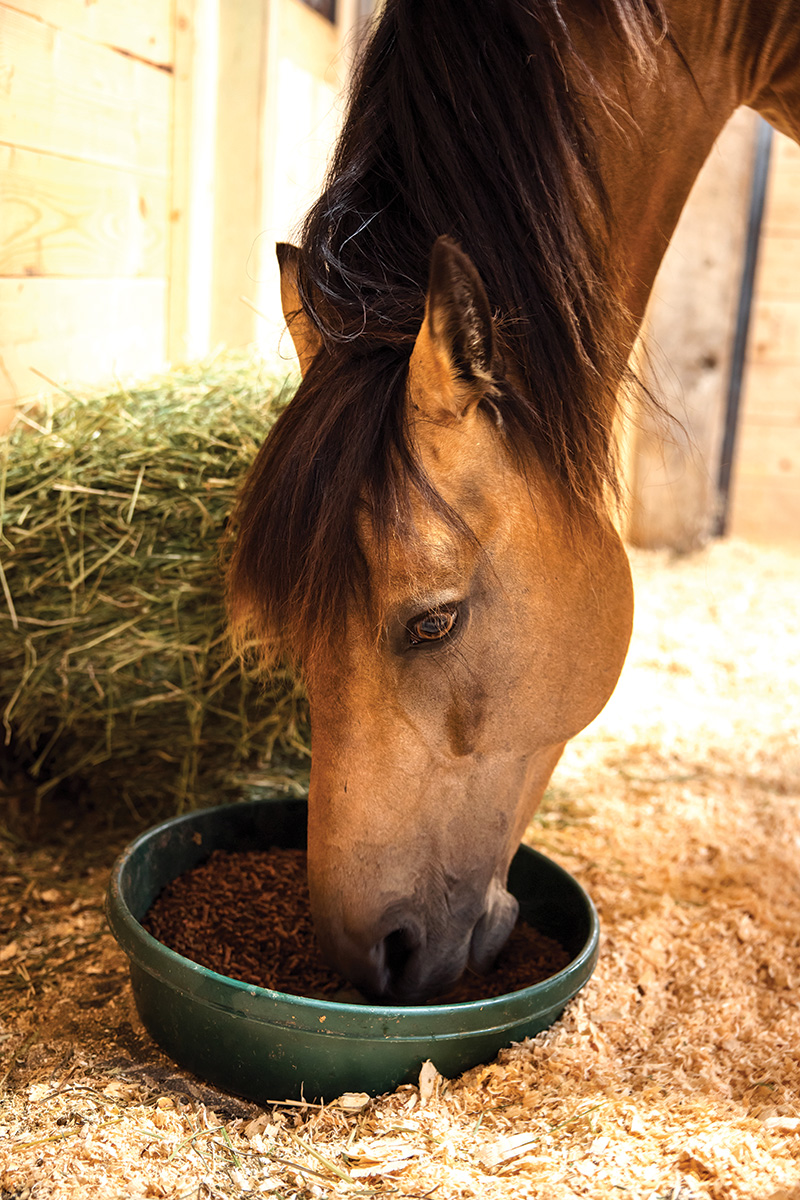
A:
x: 722, y: 54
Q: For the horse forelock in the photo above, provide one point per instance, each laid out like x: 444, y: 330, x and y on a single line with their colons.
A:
x: 298, y: 554
x: 463, y: 120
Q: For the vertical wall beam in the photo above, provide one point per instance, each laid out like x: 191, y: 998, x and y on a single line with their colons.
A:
x: 688, y: 336
x: 240, y: 175
x: 194, y: 120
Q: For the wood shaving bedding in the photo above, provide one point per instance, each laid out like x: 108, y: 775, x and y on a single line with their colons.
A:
x: 675, y: 1075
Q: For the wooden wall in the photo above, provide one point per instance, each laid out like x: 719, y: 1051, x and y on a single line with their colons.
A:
x: 85, y: 150
x: 153, y: 151
x: 151, y: 154
x: 673, y: 467
x: 687, y: 339
x: 278, y: 159
x: 765, y: 499
x: 310, y: 71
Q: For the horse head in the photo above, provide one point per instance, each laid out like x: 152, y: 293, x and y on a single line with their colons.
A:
x: 426, y: 527
x: 493, y: 628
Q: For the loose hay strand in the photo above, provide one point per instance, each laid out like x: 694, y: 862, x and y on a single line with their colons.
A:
x: 115, y: 668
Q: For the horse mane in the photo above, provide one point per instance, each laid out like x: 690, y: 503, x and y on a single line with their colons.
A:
x: 466, y: 118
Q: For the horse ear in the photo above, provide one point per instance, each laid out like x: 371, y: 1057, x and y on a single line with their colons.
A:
x: 304, y: 335
x: 451, y: 363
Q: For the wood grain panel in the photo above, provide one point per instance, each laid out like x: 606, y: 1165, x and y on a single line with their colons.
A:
x: 782, y: 215
x: 765, y: 497
x: 779, y: 267
x: 139, y: 27
x: 192, y: 183
x: 239, y: 166
x: 772, y: 394
x: 66, y: 96
x: 767, y: 513
x: 61, y: 217
x: 775, y: 336
x: 312, y: 42
x: 688, y: 335
x: 84, y: 330
x: 768, y: 452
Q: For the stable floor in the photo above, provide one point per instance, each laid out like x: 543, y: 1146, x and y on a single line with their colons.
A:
x: 675, y: 1074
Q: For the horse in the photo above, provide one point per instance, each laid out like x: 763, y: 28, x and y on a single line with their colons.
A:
x: 428, y: 531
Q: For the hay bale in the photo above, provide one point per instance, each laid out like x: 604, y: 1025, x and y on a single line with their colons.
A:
x: 116, y: 675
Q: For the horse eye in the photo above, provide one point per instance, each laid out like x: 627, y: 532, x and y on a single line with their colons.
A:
x: 433, y: 626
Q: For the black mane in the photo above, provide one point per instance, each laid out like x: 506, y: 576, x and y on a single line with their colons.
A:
x: 464, y: 120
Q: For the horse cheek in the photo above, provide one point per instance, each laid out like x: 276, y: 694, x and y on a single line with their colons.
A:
x: 465, y: 719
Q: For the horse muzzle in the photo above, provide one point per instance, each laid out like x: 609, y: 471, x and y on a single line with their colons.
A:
x: 492, y: 930
x: 408, y: 956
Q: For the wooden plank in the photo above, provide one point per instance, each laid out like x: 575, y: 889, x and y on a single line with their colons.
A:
x: 768, y: 452
x: 62, y: 217
x: 193, y: 181
x: 782, y: 212
x: 688, y: 336
x: 84, y: 331
x: 778, y: 275
x: 312, y: 42
x: 138, y: 27
x: 772, y: 394
x: 775, y: 333
x: 765, y: 494
x: 306, y: 72
x: 766, y: 512
x: 785, y: 149
x: 239, y: 168
x: 782, y: 215
x: 306, y: 127
x: 264, y: 291
x: 67, y: 96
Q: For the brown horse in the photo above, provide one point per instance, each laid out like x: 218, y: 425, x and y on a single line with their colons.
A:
x: 427, y: 530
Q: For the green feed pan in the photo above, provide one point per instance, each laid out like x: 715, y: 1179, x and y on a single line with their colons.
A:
x: 270, y: 1046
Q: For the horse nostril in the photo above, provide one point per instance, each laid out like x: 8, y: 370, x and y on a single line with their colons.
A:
x: 399, y: 945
